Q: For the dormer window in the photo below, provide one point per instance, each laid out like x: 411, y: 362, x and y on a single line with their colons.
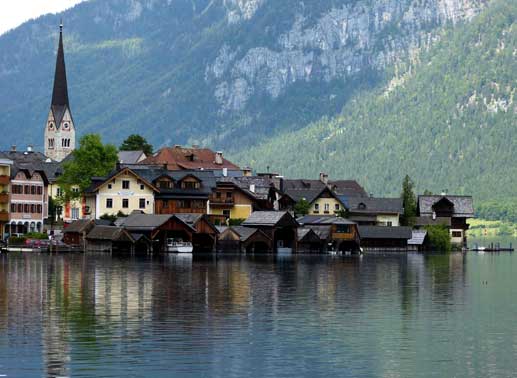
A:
x: 190, y: 185
x: 361, y: 206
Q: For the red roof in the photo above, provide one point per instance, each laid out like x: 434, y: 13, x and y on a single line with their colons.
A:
x: 180, y: 158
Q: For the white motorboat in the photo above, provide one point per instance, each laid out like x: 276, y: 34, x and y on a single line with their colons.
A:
x: 179, y: 246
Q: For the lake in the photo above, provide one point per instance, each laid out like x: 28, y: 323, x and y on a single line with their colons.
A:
x: 397, y: 315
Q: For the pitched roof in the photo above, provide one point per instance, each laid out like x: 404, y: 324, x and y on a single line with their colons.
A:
x: 463, y: 205
x: 257, y: 187
x: 266, y: 218
x: 383, y: 232
x: 375, y: 205
x: 418, y: 237
x: 244, y: 232
x: 179, y: 158
x: 111, y: 233
x: 131, y: 157
x: 429, y: 221
x: 144, y: 222
x: 312, y: 189
x: 323, y: 219
x: 307, y: 234
x: 349, y: 188
x: 323, y: 231
x: 78, y: 226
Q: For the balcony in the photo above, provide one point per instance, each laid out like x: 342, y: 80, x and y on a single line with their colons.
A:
x: 221, y: 202
x: 4, y: 180
x: 4, y: 216
x: 4, y: 198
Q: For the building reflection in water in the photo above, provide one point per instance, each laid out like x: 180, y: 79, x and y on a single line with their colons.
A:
x: 85, y: 309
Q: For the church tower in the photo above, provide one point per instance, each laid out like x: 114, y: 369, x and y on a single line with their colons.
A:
x: 59, y: 130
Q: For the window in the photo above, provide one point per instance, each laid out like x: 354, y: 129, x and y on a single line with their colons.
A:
x: 26, y: 208
x: 183, y: 204
x: 39, y: 209
x: 316, y: 207
x: 33, y: 190
x: 20, y: 208
x: 59, y: 192
x: 343, y: 229
x: 229, y: 195
x: 27, y: 189
x: 198, y: 204
x: 125, y: 203
x: 142, y: 187
x: 218, y: 194
x: 51, y: 143
x: 226, y: 213
x: 110, y: 186
x: 75, y: 213
x: 190, y: 185
x: 75, y: 190
x: 389, y: 223
x: 33, y: 209
x: 125, y: 184
x: 141, y: 203
x: 65, y: 142
x: 109, y: 203
x: 327, y: 207
x: 39, y: 190
x: 336, y: 207
x: 165, y: 204
x: 456, y: 234
x: 13, y: 208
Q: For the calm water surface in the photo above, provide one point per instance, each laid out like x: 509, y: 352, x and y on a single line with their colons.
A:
x: 377, y: 316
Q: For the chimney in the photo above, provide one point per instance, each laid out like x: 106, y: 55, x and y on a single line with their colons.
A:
x: 219, y: 158
x: 324, y: 178
x: 252, y: 188
x: 13, y: 148
x: 246, y: 172
x: 29, y: 148
x: 225, y: 172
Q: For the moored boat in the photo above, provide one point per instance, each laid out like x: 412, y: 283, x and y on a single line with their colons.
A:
x: 178, y: 246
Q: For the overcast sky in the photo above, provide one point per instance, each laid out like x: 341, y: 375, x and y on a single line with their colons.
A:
x: 15, y: 12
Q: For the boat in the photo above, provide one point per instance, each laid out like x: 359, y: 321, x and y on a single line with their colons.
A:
x: 178, y: 246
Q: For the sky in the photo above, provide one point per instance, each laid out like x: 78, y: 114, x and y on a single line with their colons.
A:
x: 15, y: 12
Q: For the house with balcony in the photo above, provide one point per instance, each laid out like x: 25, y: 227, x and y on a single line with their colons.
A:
x: 370, y: 211
x: 335, y: 233
x: 238, y: 197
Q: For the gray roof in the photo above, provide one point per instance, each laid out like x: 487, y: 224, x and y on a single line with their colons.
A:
x: 418, y: 237
x: 323, y: 219
x: 429, y: 221
x: 265, y: 218
x: 144, y: 222
x: 375, y: 205
x: 304, y: 232
x: 261, y: 185
x: 189, y: 218
x: 78, y: 226
x: 131, y: 157
x: 323, y: 231
x: 107, y: 233
x: 244, y: 232
x: 463, y: 205
x: 349, y: 188
x: 384, y: 232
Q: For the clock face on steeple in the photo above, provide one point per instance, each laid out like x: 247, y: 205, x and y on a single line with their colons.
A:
x: 51, y: 126
x: 66, y: 126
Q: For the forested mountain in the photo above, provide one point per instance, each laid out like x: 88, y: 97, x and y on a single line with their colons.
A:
x: 449, y: 120
x: 371, y: 89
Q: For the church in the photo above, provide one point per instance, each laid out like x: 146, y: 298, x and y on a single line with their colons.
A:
x: 59, y: 129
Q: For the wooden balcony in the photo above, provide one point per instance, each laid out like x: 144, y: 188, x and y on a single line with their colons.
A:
x: 4, y: 216
x: 221, y: 201
x: 343, y: 235
x: 4, y: 180
x: 4, y: 198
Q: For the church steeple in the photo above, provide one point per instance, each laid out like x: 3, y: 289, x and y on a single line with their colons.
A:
x: 60, y: 128
x: 60, y: 92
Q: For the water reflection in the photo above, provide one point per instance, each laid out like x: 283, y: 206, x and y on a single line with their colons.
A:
x: 395, y: 315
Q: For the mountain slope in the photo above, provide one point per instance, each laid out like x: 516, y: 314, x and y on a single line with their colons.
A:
x: 450, y: 121
x: 220, y: 72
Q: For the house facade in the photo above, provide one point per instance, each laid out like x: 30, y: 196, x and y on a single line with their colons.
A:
x: 450, y: 210
x: 375, y: 211
x: 5, y: 188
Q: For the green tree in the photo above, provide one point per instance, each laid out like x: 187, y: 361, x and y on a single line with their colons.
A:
x: 439, y: 238
x: 302, y: 207
x: 91, y: 159
x: 136, y: 142
x: 408, y: 201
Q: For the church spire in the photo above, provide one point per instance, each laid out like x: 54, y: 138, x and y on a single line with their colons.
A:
x: 60, y: 92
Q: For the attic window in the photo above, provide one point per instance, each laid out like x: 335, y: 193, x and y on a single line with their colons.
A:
x: 191, y: 157
x: 361, y: 206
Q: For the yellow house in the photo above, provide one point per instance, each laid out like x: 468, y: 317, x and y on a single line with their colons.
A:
x: 71, y: 210
x: 376, y: 211
x: 122, y: 192
x: 231, y: 202
x: 322, y: 200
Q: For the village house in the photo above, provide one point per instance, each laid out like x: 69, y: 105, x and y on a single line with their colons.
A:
x: 450, y: 210
x: 324, y: 196
x: 335, y: 233
x: 279, y: 226
x: 374, y: 211
x: 238, y: 197
x: 243, y: 240
x: 179, y: 158
x: 122, y: 192
x: 5, y: 188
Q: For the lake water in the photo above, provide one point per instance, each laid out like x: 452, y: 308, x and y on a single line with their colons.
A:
x: 377, y: 316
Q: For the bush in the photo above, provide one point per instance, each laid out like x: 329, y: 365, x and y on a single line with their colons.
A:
x: 36, y: 235
x: 439, y: 238
x: 17, y: 240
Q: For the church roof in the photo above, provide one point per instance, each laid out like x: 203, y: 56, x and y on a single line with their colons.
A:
x: 60, y: 91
